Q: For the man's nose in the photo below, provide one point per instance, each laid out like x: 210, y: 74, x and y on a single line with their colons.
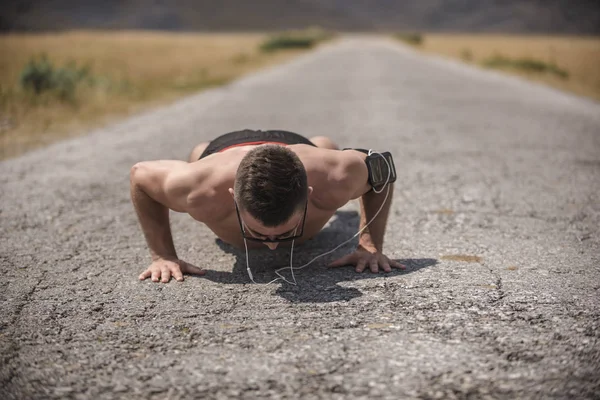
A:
x: 272, y: 246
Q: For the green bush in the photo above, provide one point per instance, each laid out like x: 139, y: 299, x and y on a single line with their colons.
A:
x: 414, y: 39
x: 39, y: 76
x: 295, y: 40
x: 526, y: 65
x: 287, y: 42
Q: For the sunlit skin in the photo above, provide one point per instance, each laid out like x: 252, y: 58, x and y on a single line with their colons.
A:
x: 204, y: 190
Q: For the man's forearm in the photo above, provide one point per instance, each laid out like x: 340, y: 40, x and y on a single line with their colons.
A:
x: 370, y: 202
x: 154, y: 219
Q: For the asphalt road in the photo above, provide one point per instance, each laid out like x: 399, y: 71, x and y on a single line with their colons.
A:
x: 496, y: 212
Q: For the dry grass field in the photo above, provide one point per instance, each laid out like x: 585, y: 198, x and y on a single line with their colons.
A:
x: 127, y: 71
x: 579, y: 57
x: 132, y: 70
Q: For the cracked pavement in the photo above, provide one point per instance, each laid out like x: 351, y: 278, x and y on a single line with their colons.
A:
x: 496, y: 212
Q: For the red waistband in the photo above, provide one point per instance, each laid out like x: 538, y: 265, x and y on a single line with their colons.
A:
x: 252, y: 144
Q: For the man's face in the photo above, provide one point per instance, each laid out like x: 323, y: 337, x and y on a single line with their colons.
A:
x: 255, y: 229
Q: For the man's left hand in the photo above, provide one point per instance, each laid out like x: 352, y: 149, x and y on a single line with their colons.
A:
x: 363, y: 257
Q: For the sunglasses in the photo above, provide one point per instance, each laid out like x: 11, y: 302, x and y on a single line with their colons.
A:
x: 281, y: 238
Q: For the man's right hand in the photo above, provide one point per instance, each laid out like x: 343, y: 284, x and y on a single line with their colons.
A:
x: 161, y: 270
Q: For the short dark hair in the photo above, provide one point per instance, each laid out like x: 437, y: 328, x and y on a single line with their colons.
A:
x: 271, y: 184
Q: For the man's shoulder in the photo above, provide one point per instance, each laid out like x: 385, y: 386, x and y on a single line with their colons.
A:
x: 209, y: 197
x: 336, y: 165
x: 332, y: 175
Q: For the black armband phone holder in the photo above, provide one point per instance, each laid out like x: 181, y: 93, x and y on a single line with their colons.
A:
x: 380, y: 166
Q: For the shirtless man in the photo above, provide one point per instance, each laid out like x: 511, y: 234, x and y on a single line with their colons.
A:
x: 258, y: 188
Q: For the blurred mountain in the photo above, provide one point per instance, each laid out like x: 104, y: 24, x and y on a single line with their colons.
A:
x: 511, y: 16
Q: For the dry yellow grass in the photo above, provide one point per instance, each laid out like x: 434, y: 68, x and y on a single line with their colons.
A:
x: 579, y: 56
x: 134, y: 70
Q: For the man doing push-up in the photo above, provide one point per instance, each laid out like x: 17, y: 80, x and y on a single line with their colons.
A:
x: 263, y: 188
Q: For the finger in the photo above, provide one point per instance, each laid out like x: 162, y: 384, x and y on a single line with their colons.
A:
x: 165, y: 274
x: 155, y: 274
x: 176, y: 272
x: 360, y: 266
x: 386, y: 266
x: 340, y: 262
x: 145, y: 274
x: 374, y: 266
x: 396, y: 264
x: 192, y: 269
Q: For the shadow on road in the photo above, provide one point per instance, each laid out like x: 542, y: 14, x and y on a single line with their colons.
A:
x: 315, y: 283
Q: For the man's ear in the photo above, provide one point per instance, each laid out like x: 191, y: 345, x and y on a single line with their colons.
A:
x: 231, y: 192
x: 310, y: 190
